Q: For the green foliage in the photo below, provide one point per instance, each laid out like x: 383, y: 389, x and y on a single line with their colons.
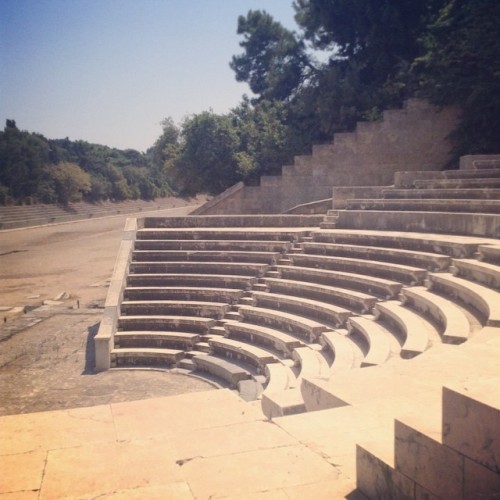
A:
x: 461, y: 66
x: 36, y: 169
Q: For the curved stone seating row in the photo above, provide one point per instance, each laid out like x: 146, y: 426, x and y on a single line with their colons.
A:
x: 191, y: 280
x: 279, y: 378
x: 221, y: 369
x: 427, y: 260
x: 369, y: 284
x: 418, y: 334
x: 474, y: 270
x: 453, y: 194
x: 346, y: 353
x: 311, y: 362
x: 453, y: 322
x: 386, y: 270
x: 216, y: 310
x: 379, y: 345
x: 469, y: 224
x: 329, y: 315
x: 298, y: 326
x: 452, y: 245
x: 141, y: 356
x: 260, y: 234
x: 260, y: 335
x: 182, y: 293
x: 489, y: 253
x: 204, y: 256
x: 219, y: 245
x: 483, y: 299
x: 158, y: 339
x: 242, y: 352
x: 247, y: 268
x: 427, y: 205
x: 411, y: 179
x: 193, y: 324
x: 354, y: 300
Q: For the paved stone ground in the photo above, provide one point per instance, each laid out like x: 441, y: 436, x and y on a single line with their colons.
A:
x: 46, y: 351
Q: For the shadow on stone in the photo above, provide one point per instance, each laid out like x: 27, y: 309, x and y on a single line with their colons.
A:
x: 90, y: 351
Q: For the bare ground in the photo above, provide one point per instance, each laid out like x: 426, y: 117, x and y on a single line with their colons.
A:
x: 46, y: 351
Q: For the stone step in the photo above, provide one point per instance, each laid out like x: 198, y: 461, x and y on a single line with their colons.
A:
x: 387, y: 270
x: 346, y: 353
x: 283, y: 403
x: 352, y: 299
x: 158, y: 339
x: 427, y: 205
x: 457, y: 183
x: 380, y: 346
x: 190, y: 280
x: 298, y: 326
x: 310, y: 309
x: 215, y: 310
x: 371, y: 285
x: 186, y: 364
x: 482, y: 299
x: 204, y: 256
x: 145, y: 356
x: 452, y: 320
x: 417, y: 334
x: 202, y: 347
x: 214, y: 245
x: 237, y: 268
x: 312, y: 363
x: 490, y: 253
x: 227, y: 295
x: 483, y: 225
x: 221, y: 368
x: 427, y: 260
x: 165, y: 323
x: 481, y: 272
x: 260, y: 335
x: 452, y: 245
x: 441, y: 194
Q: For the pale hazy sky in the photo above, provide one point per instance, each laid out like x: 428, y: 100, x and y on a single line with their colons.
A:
x: 109, y: 71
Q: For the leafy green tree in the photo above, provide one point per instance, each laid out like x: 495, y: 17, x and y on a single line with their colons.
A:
x: 70, y: 182
x: 461, y: 66
x: 274, y: 62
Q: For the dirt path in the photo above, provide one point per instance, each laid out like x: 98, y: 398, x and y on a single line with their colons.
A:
x: 46, y: 354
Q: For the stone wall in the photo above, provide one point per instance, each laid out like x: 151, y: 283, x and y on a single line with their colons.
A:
x: 412, y: 138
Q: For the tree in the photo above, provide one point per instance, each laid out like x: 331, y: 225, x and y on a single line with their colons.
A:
x: 274, y: 63
x: 69, y: 180
x: 461, y: 66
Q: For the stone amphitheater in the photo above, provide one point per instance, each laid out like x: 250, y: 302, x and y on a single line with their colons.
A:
x: 354, y: 336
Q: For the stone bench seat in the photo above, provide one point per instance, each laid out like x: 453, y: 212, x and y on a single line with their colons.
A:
x: 316, y: 310
x: 427, y: 260
x: 312, y: 363
x: 452, y: 245
x: 454, y: 194
x: 239, y: 268
x: 236, y: 221
x: 221, y: 368
x: 409, y: 178
x: 462, y: 173
x: 187, y: 280
x: 219, y: 245
x: 268, y: 337
x: 270, y: 234
x: 483, y: 272
x: 489, y: 253
x: 279, y: 378
x: 464, y: 223
x: 215, y: 310
x: 282, y: 403
x: 204, y: 256
x: 453, y: 321
x: 209, y: 294
x: 387, y: 270
x: 372, y: 285
x: 457, y: 183
x: 242, y: 352
x: 416, y: 332
x: 483, y: 299
x: 377, y: 339
x: 165, y: 323
x: 428, y: 205
x: 345, y: 351
x: 354, y: 300
x: 173, y: 340
x: 140, y: 356
x: 298, y: 326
